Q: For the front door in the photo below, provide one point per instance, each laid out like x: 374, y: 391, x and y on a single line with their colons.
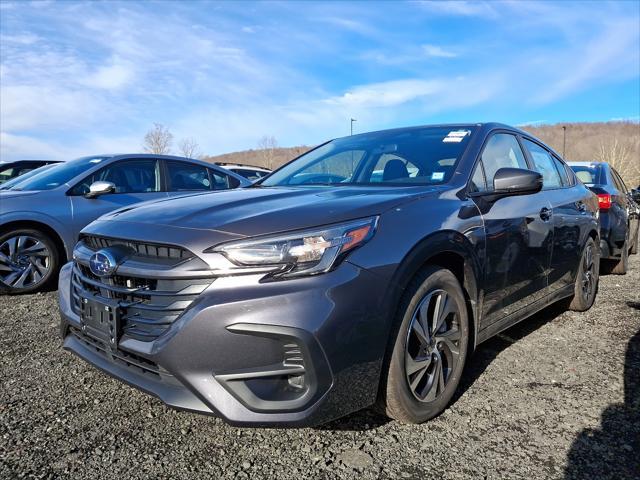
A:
x: 136, y: 180
x: 519, y: 236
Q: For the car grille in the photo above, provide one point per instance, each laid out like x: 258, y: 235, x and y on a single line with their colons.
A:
x: 148, y: 306
x: 94, y: 242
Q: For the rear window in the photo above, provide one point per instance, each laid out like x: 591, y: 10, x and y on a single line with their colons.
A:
x: 588, y: 174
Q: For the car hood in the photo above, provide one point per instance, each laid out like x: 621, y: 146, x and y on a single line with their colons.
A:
x: 257, y: 211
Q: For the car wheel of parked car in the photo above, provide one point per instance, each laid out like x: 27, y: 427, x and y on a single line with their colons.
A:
x: 587, y: 278
x: 430, y: 348
x: 28, y: 261
x: 619, y: 267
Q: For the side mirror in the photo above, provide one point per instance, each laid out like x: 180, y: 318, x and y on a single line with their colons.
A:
x: 100, y: 188
x: 516, y: 181
x: 509, y: 182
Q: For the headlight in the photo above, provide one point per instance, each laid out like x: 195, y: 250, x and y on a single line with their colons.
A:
x: 305, y: 252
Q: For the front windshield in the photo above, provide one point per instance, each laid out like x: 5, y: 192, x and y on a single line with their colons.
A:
x: 416, y: 156
x: 59, y: 175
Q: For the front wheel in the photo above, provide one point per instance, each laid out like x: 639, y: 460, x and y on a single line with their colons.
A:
x: 587, y: 278
x: 28, y: 261
x: 430, y: 348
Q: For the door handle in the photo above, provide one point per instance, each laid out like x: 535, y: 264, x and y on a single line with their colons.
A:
x: 545, y: 214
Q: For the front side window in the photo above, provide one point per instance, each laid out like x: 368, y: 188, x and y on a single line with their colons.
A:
x: 128, y: 176
x: 420, y: 156
x: 501, y: 151
x: 187, y: 177
x: 543, y: 163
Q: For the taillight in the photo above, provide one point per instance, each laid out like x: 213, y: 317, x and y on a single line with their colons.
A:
x: 604, y: 201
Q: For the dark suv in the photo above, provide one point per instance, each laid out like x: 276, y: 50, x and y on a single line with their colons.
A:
x: 365, y: 271
x: 618, y: 214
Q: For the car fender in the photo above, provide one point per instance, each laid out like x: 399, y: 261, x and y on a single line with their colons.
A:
x: 65, y: 235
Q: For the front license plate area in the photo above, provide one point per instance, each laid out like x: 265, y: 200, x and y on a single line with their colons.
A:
x: 101, y: 319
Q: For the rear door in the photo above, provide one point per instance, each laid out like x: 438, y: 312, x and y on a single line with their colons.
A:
x: 136, y: 180
x: 519, y: 235
x: 570, y: 216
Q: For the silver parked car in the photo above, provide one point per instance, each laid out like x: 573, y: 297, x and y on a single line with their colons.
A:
x: 40, y: 218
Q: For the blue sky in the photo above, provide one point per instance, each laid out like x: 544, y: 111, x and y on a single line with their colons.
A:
x: 93, y: 77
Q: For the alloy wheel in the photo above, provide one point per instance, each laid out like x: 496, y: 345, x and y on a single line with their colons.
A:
x: 24, y: 261
x: 432, y: 348
x: 588, y: 273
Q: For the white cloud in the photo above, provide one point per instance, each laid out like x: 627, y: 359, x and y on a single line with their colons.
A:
x: 26, y: 107
x: 610, y: 54
x: 436, y: 51
x: 21, y: 38
x: 349, y: 24
x: 387, y: 94
x: 460, y: 7
x: 114, y: 75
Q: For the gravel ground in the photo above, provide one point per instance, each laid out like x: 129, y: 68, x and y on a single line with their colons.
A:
x: 557, y: 396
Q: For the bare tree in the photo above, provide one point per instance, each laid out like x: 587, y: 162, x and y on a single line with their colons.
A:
x: 189, y: 148
x: 267, y: 146
x: 618, y: 155
x: 158, y: 140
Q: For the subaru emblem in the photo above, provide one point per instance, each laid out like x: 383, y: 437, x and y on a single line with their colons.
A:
x: 102, y: 263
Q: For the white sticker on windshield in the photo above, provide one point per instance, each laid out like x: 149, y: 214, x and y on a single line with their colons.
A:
x: 437, y: 175
x: 456, y: 136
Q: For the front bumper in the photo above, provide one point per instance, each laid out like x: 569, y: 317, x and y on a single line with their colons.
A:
x: 292, y: 353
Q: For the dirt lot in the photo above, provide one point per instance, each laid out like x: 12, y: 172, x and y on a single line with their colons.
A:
x: 555, y: 397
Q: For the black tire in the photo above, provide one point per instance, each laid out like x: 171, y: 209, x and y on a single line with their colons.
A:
x: 587, y: 278
x: 634, y: 247
x: 29, y: 261
x: 434, y: 289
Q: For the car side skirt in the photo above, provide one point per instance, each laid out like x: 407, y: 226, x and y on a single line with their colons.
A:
x: 524, y: 313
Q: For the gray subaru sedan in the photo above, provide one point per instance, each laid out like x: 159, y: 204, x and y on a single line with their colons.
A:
x: 364, y: 272
x: 41, y: 216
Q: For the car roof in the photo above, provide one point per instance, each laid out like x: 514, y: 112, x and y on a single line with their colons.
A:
x: 180, y: 159
x: 486, y: 127
x: 587, y: 164
x: 112, y: 157
x: 27, y: 160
